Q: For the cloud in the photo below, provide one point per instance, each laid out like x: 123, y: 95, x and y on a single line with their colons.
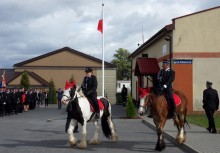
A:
x: 32, y: 28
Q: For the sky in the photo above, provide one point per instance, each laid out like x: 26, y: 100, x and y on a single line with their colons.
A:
x: 30, y: 28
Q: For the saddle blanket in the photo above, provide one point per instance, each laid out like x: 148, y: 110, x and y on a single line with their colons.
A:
x: 176, y: 98
x: 101, y: 106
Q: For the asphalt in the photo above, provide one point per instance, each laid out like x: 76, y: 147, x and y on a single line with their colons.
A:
x: 198, y: 139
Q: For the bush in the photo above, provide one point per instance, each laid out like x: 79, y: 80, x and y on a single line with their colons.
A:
x: 130, y: 108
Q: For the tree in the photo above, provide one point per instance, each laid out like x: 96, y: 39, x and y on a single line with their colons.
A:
x: 123, y: 64
x: 52, y: 93
x: 24, y: 82
x: 130, y: 108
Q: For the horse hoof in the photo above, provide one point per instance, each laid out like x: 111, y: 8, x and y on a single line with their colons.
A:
x: 82, y: 145
x: 114, y: 138
x: 94, y: 142
x: 72, y: 143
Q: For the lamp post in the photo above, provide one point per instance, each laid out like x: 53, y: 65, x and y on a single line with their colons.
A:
x: 169, y: 38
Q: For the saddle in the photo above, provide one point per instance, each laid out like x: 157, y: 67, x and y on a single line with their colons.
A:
x: 176, y: 98
x: 101, y: 106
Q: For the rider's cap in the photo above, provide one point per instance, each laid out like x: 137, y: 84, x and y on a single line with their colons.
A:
x: 165, y: 61
x: 208, y: 83
x: 88, y: 69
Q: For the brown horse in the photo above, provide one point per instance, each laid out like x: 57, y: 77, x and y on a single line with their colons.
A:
x: 160, y: 113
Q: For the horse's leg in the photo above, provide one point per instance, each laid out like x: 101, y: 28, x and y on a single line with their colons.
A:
x: 95, y: 139
x: 181, y: 132
x: 83, y: 143
x: 72, y: 139
x: 160, y: 141
x: 114, y: 136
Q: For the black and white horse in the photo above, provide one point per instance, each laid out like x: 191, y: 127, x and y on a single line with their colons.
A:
x: 81, y: 112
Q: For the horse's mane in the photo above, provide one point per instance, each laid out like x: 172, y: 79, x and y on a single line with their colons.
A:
x: 79, y: 91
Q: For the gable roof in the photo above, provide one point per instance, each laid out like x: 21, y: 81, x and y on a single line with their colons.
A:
x: 146, y: 66
x: 10, y: 75
x: 61, y: 50
x: 165, y: 30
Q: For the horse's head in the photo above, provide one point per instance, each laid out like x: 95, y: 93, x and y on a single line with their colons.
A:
x: 69, y: 93
x: 144, y: 98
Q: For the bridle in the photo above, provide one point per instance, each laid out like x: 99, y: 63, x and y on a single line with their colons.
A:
x: 144, y: 106
x: 69, y: 98
x: 144, y: 93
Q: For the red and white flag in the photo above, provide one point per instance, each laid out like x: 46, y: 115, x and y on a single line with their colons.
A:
x: 100, y: 25
x: 3, y: 79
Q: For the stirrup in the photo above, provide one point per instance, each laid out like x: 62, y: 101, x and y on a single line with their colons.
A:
x: 97, y: 116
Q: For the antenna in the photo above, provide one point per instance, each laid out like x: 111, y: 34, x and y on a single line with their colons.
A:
x: 142, y: 33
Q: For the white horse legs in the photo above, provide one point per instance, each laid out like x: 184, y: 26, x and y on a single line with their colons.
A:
x: 114, y: 137
x: 72, y: 139
x: 95, y: 139
x: 181, y: 137
x: 83, y: 143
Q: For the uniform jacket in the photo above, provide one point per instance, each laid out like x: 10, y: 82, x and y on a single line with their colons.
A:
x: 166, y: 77
x: 210, y: 99
x: 89, y: 85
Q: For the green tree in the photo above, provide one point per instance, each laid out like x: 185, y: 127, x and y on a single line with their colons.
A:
x: 130, y: 108
x: 24, y: 82
x: 123, y: 64
x: 52, y: 93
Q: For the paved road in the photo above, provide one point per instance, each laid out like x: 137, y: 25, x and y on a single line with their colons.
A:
x: 42, y: 131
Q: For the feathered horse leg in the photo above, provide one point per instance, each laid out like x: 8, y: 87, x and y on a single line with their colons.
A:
x: 83, y: 143
x: 95, y: 139
x: 72, y: 139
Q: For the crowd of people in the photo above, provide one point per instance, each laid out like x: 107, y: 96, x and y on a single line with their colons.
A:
x: 14, y: 101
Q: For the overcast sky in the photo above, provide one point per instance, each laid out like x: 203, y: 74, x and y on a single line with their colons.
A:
x: 29, y: 28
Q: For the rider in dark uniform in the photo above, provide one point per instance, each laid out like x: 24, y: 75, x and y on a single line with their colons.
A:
x: 165, y: 77
x: 210, y: 104
x: 89, y: 87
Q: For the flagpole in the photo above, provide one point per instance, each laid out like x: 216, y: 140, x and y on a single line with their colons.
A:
x: 103, y: 53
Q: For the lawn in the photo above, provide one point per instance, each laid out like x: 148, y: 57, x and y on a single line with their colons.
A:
x: 202, y: 121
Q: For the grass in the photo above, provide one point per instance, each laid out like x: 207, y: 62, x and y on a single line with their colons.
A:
x: 202, y: 121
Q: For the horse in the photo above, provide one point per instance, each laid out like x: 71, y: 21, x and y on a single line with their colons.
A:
x: 81, y: 112
x: 160, y: 114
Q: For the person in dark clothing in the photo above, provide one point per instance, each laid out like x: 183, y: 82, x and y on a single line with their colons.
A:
x: 89, y: 87
x: 59, y: 97
x: 165, y: 78
x: 124, y: 95
x: 210, y: 105
x: 46, y: 98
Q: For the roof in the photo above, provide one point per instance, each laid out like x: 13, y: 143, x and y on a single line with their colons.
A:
x: 61, y: 50
x: 146, y: 66
x: 165, y: 30
x: 10, y: 75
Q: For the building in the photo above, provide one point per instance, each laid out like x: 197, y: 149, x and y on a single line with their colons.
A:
x: 192, y: 44
x: 120, y: 84
x: 60, y: 65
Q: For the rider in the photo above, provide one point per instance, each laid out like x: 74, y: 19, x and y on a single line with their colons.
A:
x: 89, y: 86
x: 165, y: 77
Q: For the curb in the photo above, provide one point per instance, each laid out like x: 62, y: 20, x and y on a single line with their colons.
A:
x: 169, y: 137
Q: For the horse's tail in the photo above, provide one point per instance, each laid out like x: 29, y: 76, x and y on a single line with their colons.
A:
x: 185, y: 121
x: 105, y: 120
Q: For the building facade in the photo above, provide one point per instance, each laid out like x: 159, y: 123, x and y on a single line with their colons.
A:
x: 61, y: 65
x: 192, y: 44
